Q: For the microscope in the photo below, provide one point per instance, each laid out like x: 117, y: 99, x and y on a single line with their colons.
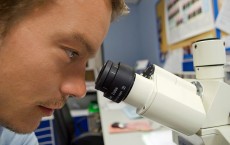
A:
x: 198, y: 110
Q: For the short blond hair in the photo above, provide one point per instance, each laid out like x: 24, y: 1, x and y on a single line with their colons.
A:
x: 119, y: 8
x: 13, y: 10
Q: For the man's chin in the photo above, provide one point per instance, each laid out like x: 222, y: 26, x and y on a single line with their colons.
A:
x: 22, y: 128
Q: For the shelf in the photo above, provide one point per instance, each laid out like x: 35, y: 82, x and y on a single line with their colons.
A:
x: 77, y: 113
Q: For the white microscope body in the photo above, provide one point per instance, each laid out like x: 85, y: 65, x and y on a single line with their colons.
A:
x: 209, y: 60
x: 200, y: 113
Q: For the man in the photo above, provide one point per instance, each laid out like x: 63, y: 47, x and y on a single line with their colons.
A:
x: 44, y: 47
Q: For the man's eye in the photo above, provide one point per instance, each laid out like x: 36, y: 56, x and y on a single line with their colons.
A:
x: 71, y: 54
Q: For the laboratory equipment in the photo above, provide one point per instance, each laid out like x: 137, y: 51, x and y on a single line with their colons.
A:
x: 197, y: 110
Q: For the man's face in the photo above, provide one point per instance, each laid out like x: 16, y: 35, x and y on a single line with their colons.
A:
x: 43, y: 58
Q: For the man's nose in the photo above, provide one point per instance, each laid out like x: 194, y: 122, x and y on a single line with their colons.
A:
x: 74, y: 87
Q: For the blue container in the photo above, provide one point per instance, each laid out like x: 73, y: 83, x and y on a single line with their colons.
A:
x: 187, y: 63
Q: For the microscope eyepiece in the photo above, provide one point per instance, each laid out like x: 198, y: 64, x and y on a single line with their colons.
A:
x: 115, y: 80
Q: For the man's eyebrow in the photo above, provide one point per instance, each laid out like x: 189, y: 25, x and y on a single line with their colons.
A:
x: 82, y: 39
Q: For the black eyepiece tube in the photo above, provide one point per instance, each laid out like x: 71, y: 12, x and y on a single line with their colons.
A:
x: 115, y: 80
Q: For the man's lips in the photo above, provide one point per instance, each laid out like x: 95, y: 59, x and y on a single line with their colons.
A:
x: 48, y: 108
x: 47, y: 111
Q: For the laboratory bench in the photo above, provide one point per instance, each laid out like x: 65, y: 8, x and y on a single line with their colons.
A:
x: 111, y: 112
